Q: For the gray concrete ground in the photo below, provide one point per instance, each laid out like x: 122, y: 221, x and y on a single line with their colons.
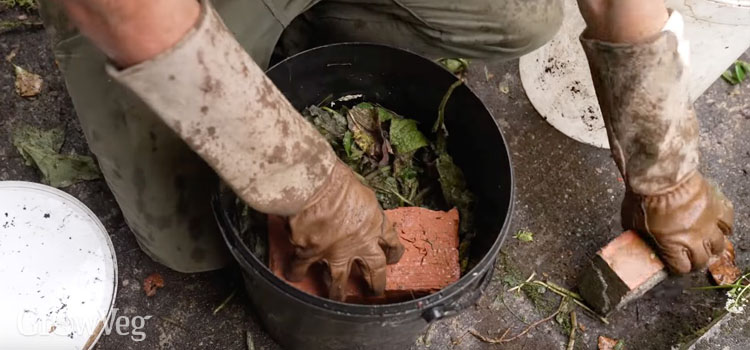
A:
x: 568, y: 195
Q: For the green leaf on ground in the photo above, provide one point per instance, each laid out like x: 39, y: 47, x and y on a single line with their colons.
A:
x: 41, y: 148
x: 25, y: 4
x: 454, y: 189
x: 563, y: 317
x: 524, y: 236
x: 348, y: 143
x: 729, y: 78
x: 738, y: 74
x: 406, y: 137
x: 407, y: 175
x: 331, y: 124
x: 386, y: 188
x: 385, y: 115
x: 739, y: 71
x: 511, y: 281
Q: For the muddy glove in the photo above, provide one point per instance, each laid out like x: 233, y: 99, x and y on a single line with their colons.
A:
x: 653, y: 135
x: 688, y: 223
x: 341, y: 225
x: 211, y: 93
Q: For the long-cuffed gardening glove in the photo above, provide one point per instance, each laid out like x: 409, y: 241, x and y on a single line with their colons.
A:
x: 343, y: 225
x: 653, y: 134
x: 212, y: 94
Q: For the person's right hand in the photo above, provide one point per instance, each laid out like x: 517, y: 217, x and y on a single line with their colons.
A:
x: 288, y: 170
x: 688, y: 223
x: 343, y: 224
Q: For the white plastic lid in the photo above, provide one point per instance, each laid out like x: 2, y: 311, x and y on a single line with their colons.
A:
x: 58, y: 271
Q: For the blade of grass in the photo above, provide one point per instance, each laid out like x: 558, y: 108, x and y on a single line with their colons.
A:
x: 440, y: 122
x: 729, y: 77
x: 739, y: 72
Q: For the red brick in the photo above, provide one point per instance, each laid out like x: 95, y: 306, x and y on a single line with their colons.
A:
x: 723, y: 268
x: 606, y: 343
x: 430, y: 261
x: 623, y: 270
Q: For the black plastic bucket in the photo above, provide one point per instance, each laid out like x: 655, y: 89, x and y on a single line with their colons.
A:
x: 413, y: 86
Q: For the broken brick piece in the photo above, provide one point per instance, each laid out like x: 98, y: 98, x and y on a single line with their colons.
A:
x: 152, y: 283
x: 430, y: 260
x: 623, y: 270
x: 606, y: 343
x: 723, y: 269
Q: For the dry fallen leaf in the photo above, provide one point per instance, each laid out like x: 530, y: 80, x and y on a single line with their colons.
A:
x: 606, y: 343
x: 152, y: 283
x: 9, y: 58
x: 724, y: 270
x: 41, y: 148
x: 27, y: 84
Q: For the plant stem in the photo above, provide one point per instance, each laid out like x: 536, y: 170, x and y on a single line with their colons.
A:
x: 557, y: 289
x: 327, y: 99
x: 225, y: 302
x: 381, y: 189
x: 740, y: 296
x: 726, y: 286
x: 440, y: 122
x: 502, y: 339
x: 528, y: 280
x: 329, y: 110
x: 249, y: 341
x: 573, y: 326
x: 376, y: 171
x: 502, y: 297
x: 565, y: 293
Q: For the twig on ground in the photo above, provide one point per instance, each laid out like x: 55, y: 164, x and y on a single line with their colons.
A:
x: 573, y: 296
x: 561, y: 291
x: 459, y: 339
x: 9, y: 26
x: 556, y: 287
x: 173, y: 322
x: 592, y: 313
x: 502, y: 297
x: 249, y: 341
x: 225, y: 302
x: 573, y: 326
x: 528, y: 280
x: 503, y: 338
